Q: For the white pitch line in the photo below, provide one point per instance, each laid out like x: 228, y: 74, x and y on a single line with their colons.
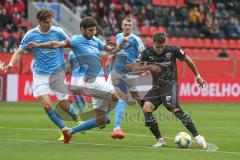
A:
x: 211, y: 147
x: 124, y: 146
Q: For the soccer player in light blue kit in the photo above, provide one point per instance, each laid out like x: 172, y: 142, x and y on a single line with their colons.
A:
x: 129, y: 54
x: 77, y: 75
x: 47, y: 61
x: 87, y: 48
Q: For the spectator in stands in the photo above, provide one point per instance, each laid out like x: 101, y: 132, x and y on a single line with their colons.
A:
x: 230, y: 28
x: 171, y: 19
x: 142, y: 18
x: 194, y: 18
x: 5, y: 19
x: 223, y: 54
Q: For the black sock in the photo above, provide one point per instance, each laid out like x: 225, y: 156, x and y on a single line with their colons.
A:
x: 187, y: 121
x: 152, y: 124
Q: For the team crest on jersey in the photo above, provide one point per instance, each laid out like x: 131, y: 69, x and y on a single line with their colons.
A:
x: 168, y: 55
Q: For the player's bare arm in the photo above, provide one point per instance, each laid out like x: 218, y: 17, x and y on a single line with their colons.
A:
x: 16, y: 57
x: 51, y: 44
x: 193, y: 67
x: 138, y: 67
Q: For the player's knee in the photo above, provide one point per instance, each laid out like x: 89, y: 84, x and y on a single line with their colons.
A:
x: 184, y: 117
x: 47, y: 105
x: 147, y: 107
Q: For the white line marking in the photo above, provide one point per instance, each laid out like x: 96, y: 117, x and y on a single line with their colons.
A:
x: 211, y: 147
x: 124, y: 146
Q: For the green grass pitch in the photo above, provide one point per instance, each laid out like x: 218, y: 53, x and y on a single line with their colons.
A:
x: 27, y: 134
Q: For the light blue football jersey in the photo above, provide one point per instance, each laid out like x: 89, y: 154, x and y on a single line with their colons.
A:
x: 87, y: 53
x: 129, y: 54
x: 46, y: 60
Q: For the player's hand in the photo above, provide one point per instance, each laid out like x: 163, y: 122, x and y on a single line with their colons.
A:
x: 126, y: 39
x: 7, y: 67
x: 200, y: 81
x: 33, y: 44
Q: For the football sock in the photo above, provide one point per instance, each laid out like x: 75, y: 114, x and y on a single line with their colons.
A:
x: 73, y: 112
x: 78, y: 103
x: 187, y: 121
x: 119, y: 113
x: 152, y: 124
x: 55, y: 118
x: 86, y: 125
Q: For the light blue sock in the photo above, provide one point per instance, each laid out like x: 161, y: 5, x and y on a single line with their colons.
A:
x: 73, y: 112
x: 86, y: 125
x: 78, y: 103
x: 55, y: 118
x: 119, y: 113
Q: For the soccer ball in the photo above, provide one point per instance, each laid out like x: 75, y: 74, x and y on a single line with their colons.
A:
x: 182, y: 140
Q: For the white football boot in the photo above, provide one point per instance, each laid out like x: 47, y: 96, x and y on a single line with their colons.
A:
x: 161, y: 142
x: 200, y: 140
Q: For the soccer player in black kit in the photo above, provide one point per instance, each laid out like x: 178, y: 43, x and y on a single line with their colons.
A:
x: 160, y: 60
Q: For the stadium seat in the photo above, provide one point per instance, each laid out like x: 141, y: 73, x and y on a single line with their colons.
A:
x: 216, y: 43
x: 181, y: 3
x: 148, y: 41
x: 199, y: 42
x: 238, y: 43
x: 232, y: 43
x: 191, y: 42
x: 161, y: 29
x: 172, y: 3
x: 183, y: 42
x: 207, y: 43
x: 156, y: 2
x: 145, y: 31
x: 153, y: 30
x: 224, y: 43
x: 174, y: 41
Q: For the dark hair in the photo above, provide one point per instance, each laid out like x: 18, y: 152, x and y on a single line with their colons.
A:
x: 88, y: 22
x: 43, y: 14
x: 159, y: 37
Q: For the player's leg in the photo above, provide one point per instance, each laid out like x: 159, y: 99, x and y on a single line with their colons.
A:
x: 119, y: 113
x: 171, y: 102
x: 78, y: 103
x: 41, y: 90
x: 148, y: 107
x: 53, y: 116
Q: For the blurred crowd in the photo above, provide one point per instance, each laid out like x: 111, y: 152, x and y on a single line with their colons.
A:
x: 199, y: 18
x: 12, y: 15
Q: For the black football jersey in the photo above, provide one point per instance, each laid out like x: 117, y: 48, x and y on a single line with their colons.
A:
x: 166, y: 61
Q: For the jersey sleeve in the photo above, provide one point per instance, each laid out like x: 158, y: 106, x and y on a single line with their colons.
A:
x: 62, y: 35
x: 179, y: 53
x: 101, y: 45
x: 140, y: 45
x: 119, y: 39
x: 27, y: 38
x: 72, y: 43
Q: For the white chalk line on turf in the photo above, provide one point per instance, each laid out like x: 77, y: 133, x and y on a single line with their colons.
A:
x: 115, y: 145
x: 211, y: 147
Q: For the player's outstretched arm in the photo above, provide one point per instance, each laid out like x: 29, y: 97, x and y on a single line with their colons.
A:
x: 193, y: 67
x: 16, y: 57
x: 51, y: 44
x: 140, y: 68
